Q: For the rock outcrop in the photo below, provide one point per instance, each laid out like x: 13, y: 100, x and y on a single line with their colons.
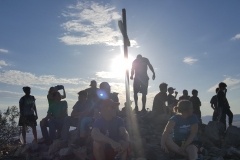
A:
x: 145, y: 130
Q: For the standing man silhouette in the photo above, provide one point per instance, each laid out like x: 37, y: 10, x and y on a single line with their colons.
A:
x: 140, y: 83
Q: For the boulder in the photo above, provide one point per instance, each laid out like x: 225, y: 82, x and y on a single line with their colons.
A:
x: 215, y: 131
x: 232, y: 137
x: 57, y: 145
x: 65, y: 151
x: 80, y: 153
x: 218, y: 152
x: 17, y: 153
x: 162, y: 119
x: 72, y: 136
x: 31, y: 147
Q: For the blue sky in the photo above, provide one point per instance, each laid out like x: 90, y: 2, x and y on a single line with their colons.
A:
x: 191, y: 45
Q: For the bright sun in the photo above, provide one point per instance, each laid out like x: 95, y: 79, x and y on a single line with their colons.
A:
x: 119, y: 65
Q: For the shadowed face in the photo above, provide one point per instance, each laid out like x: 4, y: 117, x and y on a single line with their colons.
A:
x: 27, y: 91
x: 57, y: 97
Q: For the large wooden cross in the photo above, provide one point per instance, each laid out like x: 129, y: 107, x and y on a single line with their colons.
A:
x: 123, y: 28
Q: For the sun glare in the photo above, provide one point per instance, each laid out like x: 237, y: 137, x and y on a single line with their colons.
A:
x: 120, y: 64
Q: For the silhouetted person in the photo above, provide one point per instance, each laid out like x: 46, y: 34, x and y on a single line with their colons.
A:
x: 92, y: 91
x: 140, y: 83
x: 196, y: 103
x: 171, y: 99
x: 27, y: 108
x: 213, y: 102
x: 185, y: 95
x: 223, y: 106
x: 160, y: 99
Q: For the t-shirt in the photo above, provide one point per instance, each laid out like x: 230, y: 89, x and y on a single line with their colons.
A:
x: 221, y: 99
x: 214, y: 101
x: 140, y: 67
x: 57, y: 108
x: 110, y: 128
x: 158, y: 102
x: 28, y: 104
x: 80, y: 106
x: 50, y: 102
x: 184, y: 97
x: 92, y: 94
x: 196, y: 104
x: 182, y: 128
x: 171, y: 99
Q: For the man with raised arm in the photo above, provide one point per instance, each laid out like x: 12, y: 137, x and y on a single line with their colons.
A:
x: 140, y: 83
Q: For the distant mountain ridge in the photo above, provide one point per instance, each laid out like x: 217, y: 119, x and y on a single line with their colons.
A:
x: 236, y: 119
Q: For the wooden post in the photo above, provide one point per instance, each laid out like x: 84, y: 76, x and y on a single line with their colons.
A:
x: 123, y: 27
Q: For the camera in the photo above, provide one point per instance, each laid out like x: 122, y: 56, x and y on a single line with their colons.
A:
x: 59, y: 87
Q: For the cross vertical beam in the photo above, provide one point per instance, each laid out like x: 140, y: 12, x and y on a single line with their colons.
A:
x: 123, y: 27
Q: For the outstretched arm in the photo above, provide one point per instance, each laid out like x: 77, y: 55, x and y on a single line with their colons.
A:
x: 64, y: 93
x: 151, y: 68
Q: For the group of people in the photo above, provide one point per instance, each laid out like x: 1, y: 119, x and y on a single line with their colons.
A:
x: 95, y: 114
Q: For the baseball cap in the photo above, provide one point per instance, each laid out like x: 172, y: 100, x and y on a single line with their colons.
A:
x: 107, y: 103
x: 171, y: 88
x: 93, y: 83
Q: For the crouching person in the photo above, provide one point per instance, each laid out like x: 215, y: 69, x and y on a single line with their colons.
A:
x: 185, y: 127
x: 109, y: 133
x: 54, y: 119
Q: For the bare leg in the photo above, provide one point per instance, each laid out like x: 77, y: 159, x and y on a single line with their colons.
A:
x: 99, y: 150
x: 136, y: 100
x: 124, y: 154
x: 174, y: 147
x: 34, y: 130
x: 192, y: 152
x: 144, y: 99
x: 24, y: 134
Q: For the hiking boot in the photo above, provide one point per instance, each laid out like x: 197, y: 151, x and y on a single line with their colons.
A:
x: 143, y: 110
x: 136, y: 109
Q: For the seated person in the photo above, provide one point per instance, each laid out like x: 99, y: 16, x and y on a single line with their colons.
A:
x: 109, y: 133
x: 92, y: 91
x: 81, y: 109
x: 54, y: 119
x: 185, y: 127
x: 159, y: 102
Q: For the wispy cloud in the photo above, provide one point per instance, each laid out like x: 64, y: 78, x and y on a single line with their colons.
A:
x: 232, y: 83
x: 189, y: 60
x: 236, y: 37
x: 15, y: 77
x: 3, y: 63
x: 92, y: 23
x: 3, y: 50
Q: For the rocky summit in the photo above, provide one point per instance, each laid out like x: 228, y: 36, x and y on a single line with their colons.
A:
x: 145, y: 130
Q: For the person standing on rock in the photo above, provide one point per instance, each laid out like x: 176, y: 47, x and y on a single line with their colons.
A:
x: 185, y: 95
x: 213, y: 102
x: 159, y: 102
x: 54, y: 119
x: 110, y: 136
x: 185, y: 127
x: 140, y: 83
x: 223, y: 105
x: 196, y: 105
x: 27, y: 108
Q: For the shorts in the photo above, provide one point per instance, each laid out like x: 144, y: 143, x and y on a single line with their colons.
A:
x: 86, y: 124
x: 27, y: 120
x: 140, y: 85
x: 197, y: 143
